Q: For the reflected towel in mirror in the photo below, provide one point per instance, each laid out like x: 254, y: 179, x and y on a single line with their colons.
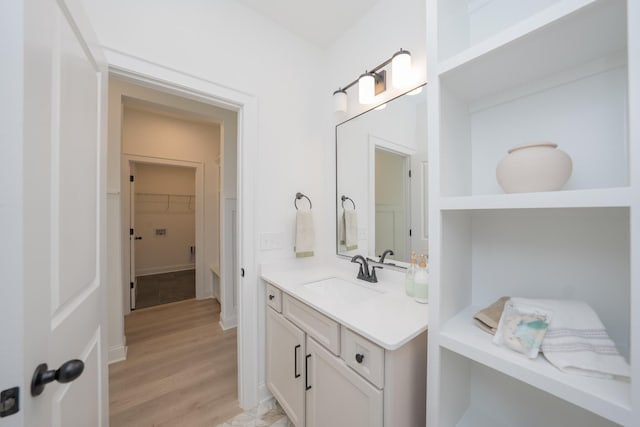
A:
x: 348, y: 229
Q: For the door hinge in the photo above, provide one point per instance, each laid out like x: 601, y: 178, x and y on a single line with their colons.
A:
x: 409, y: 232
x: 131, y: 232
x: 131, y: 178
x: 409, y: 173
x: 242, y: 272
x: 131, y: 283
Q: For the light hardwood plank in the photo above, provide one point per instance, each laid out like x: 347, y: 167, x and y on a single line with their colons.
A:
x: 181, y: 368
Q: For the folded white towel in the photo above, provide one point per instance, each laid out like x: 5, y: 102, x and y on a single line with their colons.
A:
x: 350, y: 229
x: 577, y: 342
x: 304, y: 233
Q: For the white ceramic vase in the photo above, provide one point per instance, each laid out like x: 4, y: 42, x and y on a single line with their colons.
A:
x: 534, y: 167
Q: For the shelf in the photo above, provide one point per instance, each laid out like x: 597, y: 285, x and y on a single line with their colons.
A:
x: 560, y: 37
x: 607, y: 398
x: 607, y: 197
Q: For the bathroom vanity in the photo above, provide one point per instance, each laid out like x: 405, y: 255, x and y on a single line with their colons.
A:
x: 343, y: 353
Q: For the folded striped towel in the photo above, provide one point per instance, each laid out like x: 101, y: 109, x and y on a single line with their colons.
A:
x: 577, y: 341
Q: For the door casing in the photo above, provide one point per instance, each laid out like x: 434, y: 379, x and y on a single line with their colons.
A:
x: 142, y: 72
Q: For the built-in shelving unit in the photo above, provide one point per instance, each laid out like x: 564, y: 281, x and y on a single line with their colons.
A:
x: 502, y: 74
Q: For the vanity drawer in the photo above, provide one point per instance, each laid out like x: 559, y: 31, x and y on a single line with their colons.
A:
x: 317, y: 325
x: 363, y: 356
x: 274, y: 298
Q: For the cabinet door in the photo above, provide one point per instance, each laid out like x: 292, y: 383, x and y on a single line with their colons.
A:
x: 336, y: 395
x: 285, y: 365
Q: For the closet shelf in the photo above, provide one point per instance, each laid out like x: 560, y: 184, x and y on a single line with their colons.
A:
x: 558, y: 38
x: 591, y: 198
x: 608, y: 398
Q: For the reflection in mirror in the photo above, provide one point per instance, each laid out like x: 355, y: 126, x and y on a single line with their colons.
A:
x: 381, y: 176
x: 391, y: 213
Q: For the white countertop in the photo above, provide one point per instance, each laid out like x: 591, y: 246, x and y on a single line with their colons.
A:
x: 390, y: 320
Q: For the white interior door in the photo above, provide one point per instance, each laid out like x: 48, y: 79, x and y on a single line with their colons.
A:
x: 64, y: 199
x: 132, y: 236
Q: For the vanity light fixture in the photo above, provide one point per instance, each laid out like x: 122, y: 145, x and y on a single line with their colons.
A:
x: 374, y: 82
x: 401, y: 69
x: 340, y: 100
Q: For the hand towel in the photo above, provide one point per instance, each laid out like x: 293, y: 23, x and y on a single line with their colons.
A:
x: 350, y: 229
x: 488, y: 318
x: 577, y: 341
x: 304, y: 233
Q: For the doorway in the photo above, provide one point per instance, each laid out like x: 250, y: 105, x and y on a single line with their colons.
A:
x: 163, y: 220
x: 170, y: 83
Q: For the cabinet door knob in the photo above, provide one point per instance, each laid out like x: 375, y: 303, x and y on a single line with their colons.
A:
x: 359, y: 357
x: 271, y: 297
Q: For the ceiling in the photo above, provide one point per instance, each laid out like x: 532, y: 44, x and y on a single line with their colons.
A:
x: 319, y: 22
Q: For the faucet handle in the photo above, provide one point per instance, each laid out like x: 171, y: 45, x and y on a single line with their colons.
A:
x: 373, y: 278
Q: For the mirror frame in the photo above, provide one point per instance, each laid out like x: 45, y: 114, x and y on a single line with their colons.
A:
x: 400, y: 265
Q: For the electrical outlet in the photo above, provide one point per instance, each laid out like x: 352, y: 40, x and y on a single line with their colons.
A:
x: 271, y: 241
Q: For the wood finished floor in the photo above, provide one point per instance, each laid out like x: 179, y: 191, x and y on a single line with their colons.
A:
x: 181, y: 368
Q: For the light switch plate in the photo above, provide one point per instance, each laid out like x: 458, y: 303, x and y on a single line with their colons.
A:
x: 362, y: 234
x: 271, y: 241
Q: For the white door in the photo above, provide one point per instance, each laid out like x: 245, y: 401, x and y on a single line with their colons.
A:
x: 285, y: 366
x: 59, y: 289
x: 133, y: 285
x: 336, y: 395
x: 420, y: 203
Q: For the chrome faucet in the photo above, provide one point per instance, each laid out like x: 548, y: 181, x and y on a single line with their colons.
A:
x: 363, y: 272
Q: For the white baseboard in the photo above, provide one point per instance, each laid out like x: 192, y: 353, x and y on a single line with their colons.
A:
x: 164, y: 269
x: 229, y: 322
x: 117, y: 354
x: 264, y: 395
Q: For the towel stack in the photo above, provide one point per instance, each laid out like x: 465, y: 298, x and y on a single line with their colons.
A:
x: 576, y: 341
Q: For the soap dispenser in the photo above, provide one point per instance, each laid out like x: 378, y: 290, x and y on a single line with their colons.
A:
x: 421, y: 282
x: 409, y: 275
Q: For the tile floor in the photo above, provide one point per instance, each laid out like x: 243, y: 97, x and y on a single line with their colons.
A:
x: 164, y: 288
x: 268, y: 414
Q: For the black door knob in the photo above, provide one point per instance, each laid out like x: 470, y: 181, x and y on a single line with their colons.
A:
x: 271, y: 297
x: 68, y: 372
x: 359, y: 357
x: 138, y: 237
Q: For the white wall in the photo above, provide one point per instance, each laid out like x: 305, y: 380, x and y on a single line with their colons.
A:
x: 145, y: 133
x: 387, y: 27
x: 224, y: 42
x: 164, y: 199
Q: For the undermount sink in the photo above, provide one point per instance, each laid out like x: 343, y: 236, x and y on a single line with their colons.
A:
x: 343, y: 290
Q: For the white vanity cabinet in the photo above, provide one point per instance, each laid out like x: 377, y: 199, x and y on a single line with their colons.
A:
x: 324, y: 374
x: 336, y: 395
x: 285, y: 365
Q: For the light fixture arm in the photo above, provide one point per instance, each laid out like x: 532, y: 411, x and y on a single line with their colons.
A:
x: 374, y: 72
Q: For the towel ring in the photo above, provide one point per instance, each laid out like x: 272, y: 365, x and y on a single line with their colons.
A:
x: 300, y: 196
x: 345, y: 198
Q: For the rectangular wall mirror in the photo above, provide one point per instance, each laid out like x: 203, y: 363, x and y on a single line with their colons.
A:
x: 381, y: 181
